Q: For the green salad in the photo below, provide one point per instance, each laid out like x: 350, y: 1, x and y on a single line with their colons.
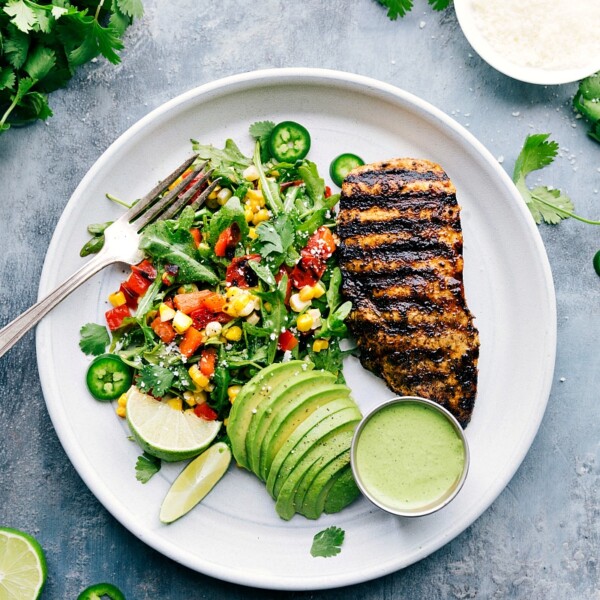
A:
x: 247, y: 280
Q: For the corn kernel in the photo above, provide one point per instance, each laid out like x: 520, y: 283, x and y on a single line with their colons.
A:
x: 256, y: 196
x: 175, y: 403
x: 223, y: 196
x: 306, y: 293
x: 233, y: 391
x: 252, y: 319
x: 298, y: 305
x: 213, y: 328
x: 196, y: 397
x: 304, y: 322
x: 318, y: 290
x: 319, y: 345
x: 243, y: 305
x: 181, y: 322
x: 233, y: 334
x: 260, y: 216
x: 121, y: 411
x: 232, y: 291
x: 267, y: 306
x: 122, y: 401
x: 248, y: 214
x: 166, y: 312
x: 251, y: 173
x: 200, y: 380
x: 213, y: 195
x: 252, y: 233
x: 254, y: 206
x: 315, y: 313
x: 117, y: 299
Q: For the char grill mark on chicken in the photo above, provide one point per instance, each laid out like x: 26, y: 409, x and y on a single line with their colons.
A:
x: 402, y: 265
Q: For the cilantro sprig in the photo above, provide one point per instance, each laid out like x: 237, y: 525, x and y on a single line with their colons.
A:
x: 587, y: 102
x: 146, y: 467
x: 399, y: 8
x: 328, y: 542
x: 42, y: 43
x: 545, y: 203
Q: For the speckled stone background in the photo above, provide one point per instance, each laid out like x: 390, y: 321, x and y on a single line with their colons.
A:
x: 541, y: 538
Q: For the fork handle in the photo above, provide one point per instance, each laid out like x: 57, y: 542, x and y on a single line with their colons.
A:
x: 15, y: 330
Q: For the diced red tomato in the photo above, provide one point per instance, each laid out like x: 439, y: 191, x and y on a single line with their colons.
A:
x: 239, y: 274
x: 287, y: 341
x: 192, y: 340
x: 204, y: 411
x: 227, y: 241
x: 130, y: 297
x: 188, y: 303
x: 115, y: 316
x: 197, y: 235
x: 208, y: 359
x: 164, y: 330
x: 145, y: 268
x: 137, y: 284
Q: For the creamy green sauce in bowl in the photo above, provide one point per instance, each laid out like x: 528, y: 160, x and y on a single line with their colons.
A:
x: 410, y: 456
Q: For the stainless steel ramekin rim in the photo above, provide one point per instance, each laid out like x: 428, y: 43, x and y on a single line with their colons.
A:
x: 455, y: 424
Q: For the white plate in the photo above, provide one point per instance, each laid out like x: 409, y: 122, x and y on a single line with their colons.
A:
x: 538, y: 75
x: 235, y: 534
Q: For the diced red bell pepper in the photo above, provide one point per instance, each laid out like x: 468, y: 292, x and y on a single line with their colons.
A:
x: 287, y: 341
x: 208, y: 359
x: 204, y: 411
x: 288, y: 184
x: 227, y: 241
x: 215, y: 302
x: 164, y: 330
x: 130, y: 298
x: 188, y: 303
x: 302, y: 276
x: 192, y: 340
x: 239, y: 273
x: 320, y: 245
x: 283, y: 270
x: 137, y: 284
x: 327, y: 191
x: 203, y: 316
x: 115, y: 316
x: 145, y: 268
x: 197, y: 235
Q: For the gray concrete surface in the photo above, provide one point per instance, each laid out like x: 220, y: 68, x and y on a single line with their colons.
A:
x: 541, y: 538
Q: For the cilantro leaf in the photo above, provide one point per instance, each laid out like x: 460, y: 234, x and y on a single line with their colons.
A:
x: 16, y: 46
x: 399, y: 8
x: 155, y: 379
x: 22, y: 15
x: 40, y: 62
x: 328, y: 542
x: 146, y: 466
x: 587, y: 102
x: 94, y: 339
x: 261, y: 131
x: 7, y: 78
x: 439, y: 4
x: 132, y: 8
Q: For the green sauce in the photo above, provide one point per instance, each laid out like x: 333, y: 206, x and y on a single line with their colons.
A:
x: 409, y: 456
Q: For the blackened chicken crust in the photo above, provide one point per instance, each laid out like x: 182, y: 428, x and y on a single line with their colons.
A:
x: 402, y: 265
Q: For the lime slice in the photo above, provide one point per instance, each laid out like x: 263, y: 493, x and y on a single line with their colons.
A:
x: 165, y: 432
x: 195, y: 481
x: 22, y: 565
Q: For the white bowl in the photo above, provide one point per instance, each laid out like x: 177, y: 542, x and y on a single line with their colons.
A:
x: 542, y: 76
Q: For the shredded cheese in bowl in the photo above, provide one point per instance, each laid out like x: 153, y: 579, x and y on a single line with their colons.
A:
x: 542, y: 41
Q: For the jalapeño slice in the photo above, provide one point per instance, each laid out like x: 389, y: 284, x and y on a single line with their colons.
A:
x: 342, y: 165
x: 289, y: 142
x: 108, y: 377
x: 101, y: 591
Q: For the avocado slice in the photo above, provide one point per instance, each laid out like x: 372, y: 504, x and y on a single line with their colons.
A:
x: 313, y: 503
x: 250, y: 397
x: 343, y: 492
x: 290, y: 419
x: 281, y: 394
x: 322, y: 452
x: 320, y: 423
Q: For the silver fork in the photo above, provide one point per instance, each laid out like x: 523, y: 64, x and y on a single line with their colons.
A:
x: 121, y: 242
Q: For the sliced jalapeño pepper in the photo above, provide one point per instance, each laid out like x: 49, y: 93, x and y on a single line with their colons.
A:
x: 101, y: 591
x: 289, y: 142
x: 108, y: 377
x: 342, y: 165
x: 597, y: 262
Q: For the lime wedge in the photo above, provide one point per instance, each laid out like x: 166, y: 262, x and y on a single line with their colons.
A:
x: 165, y: 432
x: 22, y: 565
x: 195, y: 481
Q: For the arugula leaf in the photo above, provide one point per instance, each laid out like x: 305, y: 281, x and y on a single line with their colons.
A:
x: 94, y: 339
x: 146, y: 467
x: 545, y: 204
x: 263, y: 272
x: 231, y: 212
x: 328, y: 542
x: 270, y: 189
x: 587, y: 102
x: 166, y: 243
x: 155, y: 379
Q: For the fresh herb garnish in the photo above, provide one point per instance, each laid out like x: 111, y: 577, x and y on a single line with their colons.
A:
x: 399, y: 8
x: 146, y: 466
x: 545, y: 203
x: 587, y: 102
x: 328, y: 542
x: 155, y: 379
x: 42, y: 43
x: 94, y: 339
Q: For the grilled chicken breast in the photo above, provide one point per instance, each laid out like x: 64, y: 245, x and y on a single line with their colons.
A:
x: 402, y: 265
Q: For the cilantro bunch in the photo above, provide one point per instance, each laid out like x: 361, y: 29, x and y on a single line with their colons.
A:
x: 43, y: 42
x: 587, y: 102
x: 399, y: 8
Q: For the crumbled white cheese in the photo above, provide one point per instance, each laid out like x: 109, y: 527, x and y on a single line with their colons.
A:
x: 547, y: 34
